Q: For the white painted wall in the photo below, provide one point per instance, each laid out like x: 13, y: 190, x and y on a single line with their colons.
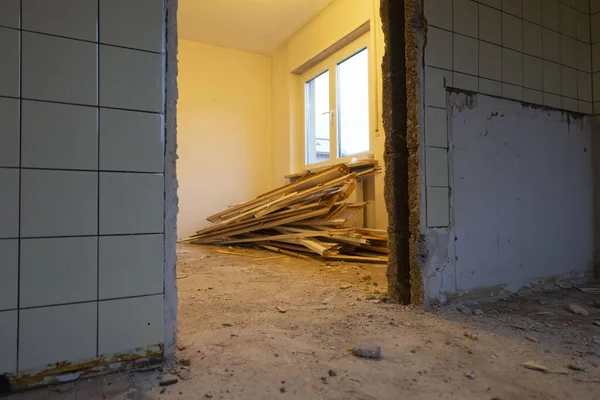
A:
x: 224, y: 134
x: 521, y: 198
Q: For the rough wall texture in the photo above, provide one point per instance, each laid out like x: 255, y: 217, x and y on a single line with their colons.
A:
x: 401, y: 85
x: 522, y: 199
x: 595, y: 128
x: 171, y: 208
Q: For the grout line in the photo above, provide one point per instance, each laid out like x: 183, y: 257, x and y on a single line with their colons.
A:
x: 97, y: 42
x: 82, y: 236
x: 84, y: 105
x: 84, y: 302
x: 20, y: 178
x: 98, y: 114
x: 83, y: 170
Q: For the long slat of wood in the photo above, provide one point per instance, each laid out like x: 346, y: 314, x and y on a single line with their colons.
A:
x: 341, y: 257
x: 305, y: 195
x: 261, y: 225
x: 263, y: 238
x: 283, y: 251
x: 271, y: 217
x: 318, y: 247
x: 253, y: 211
x: 313, y: 179
x: 316, y: 179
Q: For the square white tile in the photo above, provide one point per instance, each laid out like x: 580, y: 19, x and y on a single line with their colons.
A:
x: 514, y: 7
x: 59, y: 136
x: 512, y: 32
x: 512, y: 92
x: 8, y: 342
x: 58, y: 203
x: 58, y: 69
x: 131, y: 141
x: 584, y: 86
x: 568, y: 82
x: 532, y: 72
x: 551, y: 45
x: 466, y: 55
x: 596, y: 57
x: 583, y: 27
x: 596, y: 86
x: 9, y: 270
x: 436, y: 81
x: 594, y: 6
x: 583, y: 6
x: 131, y: 79
x: 487, y: 86
x: 438, y: 50
x: 569, y: 104
x: 436, y: 166
x: 138, y: 24
x: 595, y: 22
x: 438, y: 207
x: 9, y: 203
x: 568, y: 21
x: 10, y: 13
x: 436, y: 127
x: 127, y: 324
x: 551, y: 14
x: 70, y: 18
x: 9, y: 132
x: 584, y: 58
x: 9, y: 62
x: 597, y: 107
x: 58, y: 271
x: 130, y: 266
x: 490, y: 61
x: 466, y: 82
x: 552, y: 77
x: 585, y: 107
x: 568, y: 51
x: 512, y: 67
x: 439, y: 13
x: 490, y: 24
x: 465, y: 18
x: 533, y: 96
x: 532, y: 39
x: 70, y: 329
x: 552, y: 100
x: 131, y: 203
x: 532, y: 11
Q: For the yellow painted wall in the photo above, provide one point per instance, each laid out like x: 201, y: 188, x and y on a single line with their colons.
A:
x: 331, y: 25
x: 223, y: 130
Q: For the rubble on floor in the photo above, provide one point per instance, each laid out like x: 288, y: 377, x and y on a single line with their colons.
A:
x: 304, y: 218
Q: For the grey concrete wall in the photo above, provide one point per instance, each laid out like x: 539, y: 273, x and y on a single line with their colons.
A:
x: 521, y: 199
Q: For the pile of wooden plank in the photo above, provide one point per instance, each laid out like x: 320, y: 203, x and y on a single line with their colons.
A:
x: 304, y: 218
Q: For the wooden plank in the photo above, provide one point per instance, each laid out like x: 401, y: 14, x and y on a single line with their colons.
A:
x: 264, y: 238
x: 343, y: 257
x: 283, y: 251
x: 356, y: 167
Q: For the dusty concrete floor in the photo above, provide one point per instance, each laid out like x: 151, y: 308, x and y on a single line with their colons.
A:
x: 239, y: 345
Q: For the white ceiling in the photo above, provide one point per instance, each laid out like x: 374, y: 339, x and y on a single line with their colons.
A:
x: 258, y: 26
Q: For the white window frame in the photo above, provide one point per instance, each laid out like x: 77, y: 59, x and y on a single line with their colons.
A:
x: 331, y: 64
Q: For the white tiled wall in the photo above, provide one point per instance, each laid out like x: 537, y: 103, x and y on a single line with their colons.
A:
x: 595, y: 35
x: 537, y: 51
x: 81, y: 172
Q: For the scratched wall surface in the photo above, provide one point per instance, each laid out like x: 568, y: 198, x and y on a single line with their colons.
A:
x: 522, y: 193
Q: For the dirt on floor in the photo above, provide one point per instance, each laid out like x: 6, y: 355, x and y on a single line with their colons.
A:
x: 256, y: 327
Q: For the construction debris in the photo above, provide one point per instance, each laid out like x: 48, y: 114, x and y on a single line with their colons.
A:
x: 302, y: 219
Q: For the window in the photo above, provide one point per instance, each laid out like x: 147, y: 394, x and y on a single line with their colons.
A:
x: 336, y: 106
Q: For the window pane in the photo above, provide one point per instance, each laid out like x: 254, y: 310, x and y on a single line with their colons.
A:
x: 353, y: 105
x: 317, y: 119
